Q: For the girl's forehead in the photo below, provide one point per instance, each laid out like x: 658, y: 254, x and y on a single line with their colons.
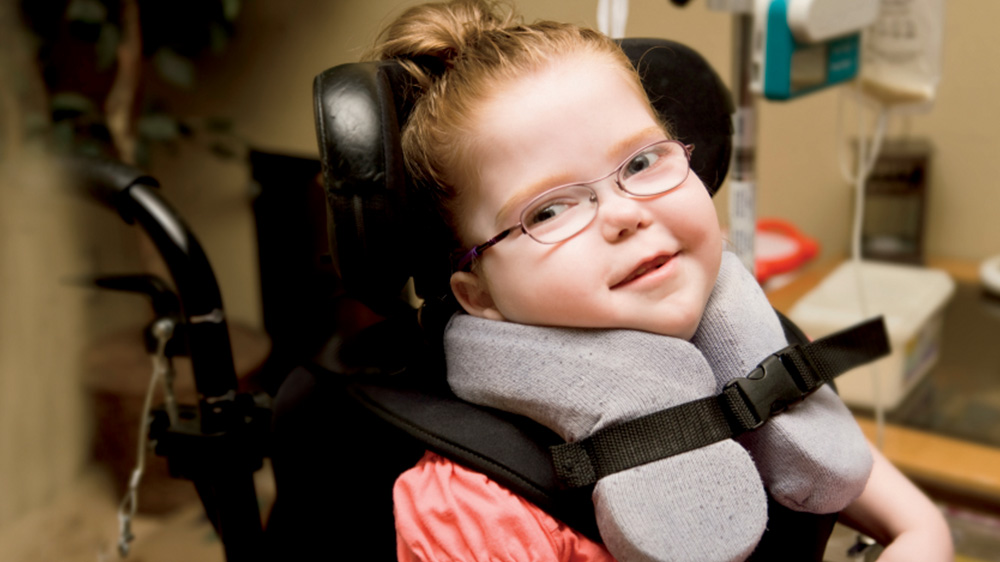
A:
x: 568, y: 69
x: 570, y: 120
x: 566, y: 92
x: 579, y: 102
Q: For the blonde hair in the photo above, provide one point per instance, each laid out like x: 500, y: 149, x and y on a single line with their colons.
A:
x: 459, y: 53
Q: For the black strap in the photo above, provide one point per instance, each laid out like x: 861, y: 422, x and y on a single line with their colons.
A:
x: 780, y: 380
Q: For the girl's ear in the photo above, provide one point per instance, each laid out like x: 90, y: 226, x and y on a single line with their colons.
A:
x: 472, y: 293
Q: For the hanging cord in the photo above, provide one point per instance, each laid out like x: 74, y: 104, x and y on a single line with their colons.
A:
x: 866, y: 159
x: 878, y: 136
x: 163, y: 369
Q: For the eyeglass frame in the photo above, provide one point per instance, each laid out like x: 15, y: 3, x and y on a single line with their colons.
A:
x: 478, y: 250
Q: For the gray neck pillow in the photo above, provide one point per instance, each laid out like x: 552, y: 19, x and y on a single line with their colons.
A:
x: 813, y: 457
x: 708, y: 504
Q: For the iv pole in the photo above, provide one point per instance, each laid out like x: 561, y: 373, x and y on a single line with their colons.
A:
x: 742, y: 181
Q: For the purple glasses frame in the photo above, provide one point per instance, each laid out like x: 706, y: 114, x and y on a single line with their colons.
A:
x: 478, y: 250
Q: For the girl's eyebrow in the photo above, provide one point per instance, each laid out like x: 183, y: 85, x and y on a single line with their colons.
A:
x: 630, y: 144
x: 526, y: 194
x: 626, y: 145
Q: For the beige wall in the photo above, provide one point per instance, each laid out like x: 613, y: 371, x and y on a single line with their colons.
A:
x: 264, y: 82
x: 49, y: 243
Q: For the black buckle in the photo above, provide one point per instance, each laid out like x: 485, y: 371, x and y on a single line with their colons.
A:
x: 770, y: 388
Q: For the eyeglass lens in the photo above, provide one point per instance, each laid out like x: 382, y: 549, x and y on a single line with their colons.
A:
x: 559, y: 214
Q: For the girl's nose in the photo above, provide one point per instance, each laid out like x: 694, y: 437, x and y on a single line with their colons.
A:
x: 621, y: 216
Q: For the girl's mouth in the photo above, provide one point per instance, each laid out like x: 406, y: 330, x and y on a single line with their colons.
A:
x: 643, y: 269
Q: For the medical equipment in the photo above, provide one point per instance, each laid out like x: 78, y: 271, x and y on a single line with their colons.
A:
x: 901, y: 54
x: 742, y: 181
x: 896, y: 36
x: 800, y: 46
x: 781, y: 49
x: 612, y: 16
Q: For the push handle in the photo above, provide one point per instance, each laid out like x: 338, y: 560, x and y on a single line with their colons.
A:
x: 134, y: 195
x: 106, y: 180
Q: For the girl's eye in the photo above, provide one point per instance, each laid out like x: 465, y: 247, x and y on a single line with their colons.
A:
x: 547, y: 211
x: 643, y: 161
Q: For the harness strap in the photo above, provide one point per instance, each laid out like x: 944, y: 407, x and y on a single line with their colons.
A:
x: 780, y: 380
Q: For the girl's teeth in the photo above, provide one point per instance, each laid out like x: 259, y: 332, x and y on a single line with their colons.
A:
x: 640, y: 272
x: 644, y: 269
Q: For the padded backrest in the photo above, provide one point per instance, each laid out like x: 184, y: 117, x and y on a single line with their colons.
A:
x: 382, y: 232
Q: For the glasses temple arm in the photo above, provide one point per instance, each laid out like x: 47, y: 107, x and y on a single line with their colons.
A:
x: 478, y: 250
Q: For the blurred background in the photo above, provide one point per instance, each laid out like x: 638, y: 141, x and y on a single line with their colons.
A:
x: 213, y: 98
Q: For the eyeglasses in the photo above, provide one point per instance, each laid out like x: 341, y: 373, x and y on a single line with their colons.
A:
x: 561, y: 212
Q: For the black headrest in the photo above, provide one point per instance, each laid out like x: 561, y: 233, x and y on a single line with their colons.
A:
x: 382, y: 232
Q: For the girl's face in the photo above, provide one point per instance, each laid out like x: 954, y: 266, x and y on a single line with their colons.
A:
x: 646, y: 264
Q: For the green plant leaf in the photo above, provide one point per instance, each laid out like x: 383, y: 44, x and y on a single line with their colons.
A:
x: 71, y: 102
x: 222, y: 150
x: 87, y: 11
x: 219, y: 38
x: 174, y: 68
x: 107, y: 45
x: 141, y: 155
x: 158, y: 127
x: 231, y: 9
x: 62, y: 135
x: 89, y: 147
x: 219, y: 124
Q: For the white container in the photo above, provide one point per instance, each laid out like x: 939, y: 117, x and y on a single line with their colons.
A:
x: 912, y: 300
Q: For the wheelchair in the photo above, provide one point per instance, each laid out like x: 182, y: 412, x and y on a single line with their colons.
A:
x: 341, y: 427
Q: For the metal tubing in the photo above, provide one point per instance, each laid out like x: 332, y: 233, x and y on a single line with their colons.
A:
x: 201, y: 301
x: 235, y: 514
x: 742, y: 182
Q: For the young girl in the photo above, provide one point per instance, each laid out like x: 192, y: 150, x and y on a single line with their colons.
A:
x: 514, y: 124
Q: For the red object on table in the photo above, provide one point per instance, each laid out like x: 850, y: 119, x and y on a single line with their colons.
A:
x: 787, y: 250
